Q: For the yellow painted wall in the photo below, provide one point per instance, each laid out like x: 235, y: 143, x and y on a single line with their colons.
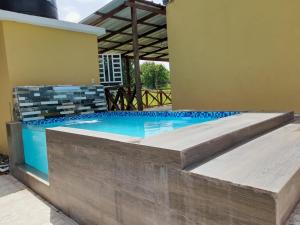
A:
x: 235, y: 55
x: 5, y: 93
x: 34, y: 55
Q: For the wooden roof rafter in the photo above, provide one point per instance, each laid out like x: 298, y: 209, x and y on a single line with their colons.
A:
x: 116, y: 18
x: 110, y: 14
x: 139, y: 36
x: 112, y: 33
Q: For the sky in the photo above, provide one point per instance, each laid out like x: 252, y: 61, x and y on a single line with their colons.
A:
x: 76, y: 10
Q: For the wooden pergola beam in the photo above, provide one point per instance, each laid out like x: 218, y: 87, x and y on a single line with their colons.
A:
x: 113, y: 33
x: 154, y: 43
x: 126, y: 19
x: 119, y: 42
x: 155, y: 51
x: 149, y: 45
x: 110, y: 14
x: 146, y: 7
x: 119, y: 50
x: 129, y: 34
x: 139, y: 36
x: 158, y: 59
x: 162, y: 55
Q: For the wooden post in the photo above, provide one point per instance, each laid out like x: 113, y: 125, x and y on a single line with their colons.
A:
x: 122, y: 103
x: 136, y: 57
x: 160, y: 97
x: 128, y: 77
x: 107, y: 95
x: 146, y: 97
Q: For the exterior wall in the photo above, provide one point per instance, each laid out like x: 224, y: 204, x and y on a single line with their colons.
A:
x: 235, y: 55
x: 5, y: 93
x: 39, y: 56
x: 36, y: 55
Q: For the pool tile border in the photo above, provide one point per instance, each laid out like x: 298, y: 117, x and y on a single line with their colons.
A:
x: 192, y: 114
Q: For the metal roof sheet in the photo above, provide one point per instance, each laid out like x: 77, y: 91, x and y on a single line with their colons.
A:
x: 115, y: 17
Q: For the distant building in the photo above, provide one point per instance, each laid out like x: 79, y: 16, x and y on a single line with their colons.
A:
x: 111, y: 69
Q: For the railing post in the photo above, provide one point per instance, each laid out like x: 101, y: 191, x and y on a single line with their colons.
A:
x: 161, y: 97
x: 146, y: 97
x: 121, y: 89
x: 107, y: 93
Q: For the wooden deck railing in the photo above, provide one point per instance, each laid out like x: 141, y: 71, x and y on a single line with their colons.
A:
x: 124, y: 98
x: 155, y: 98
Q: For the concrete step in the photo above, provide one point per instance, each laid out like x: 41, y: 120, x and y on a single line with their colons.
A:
x: 266, y: 169
x: 203, y: 141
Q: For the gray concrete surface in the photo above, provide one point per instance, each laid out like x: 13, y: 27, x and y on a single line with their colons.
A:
x: 160, y: 108
x: 202, y: 141
x: 270, y: 164
x: 20, y: 206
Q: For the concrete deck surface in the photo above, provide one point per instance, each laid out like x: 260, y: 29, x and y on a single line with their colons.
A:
x: 199, y: 142
x: 159, y: 108
x: 266, y: 163
x: 203, y: 132
x: 20, y: 206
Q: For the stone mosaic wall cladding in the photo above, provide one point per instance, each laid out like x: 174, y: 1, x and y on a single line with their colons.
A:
x: 41, y: 102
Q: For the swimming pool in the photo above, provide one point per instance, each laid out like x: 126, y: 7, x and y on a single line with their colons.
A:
x: 133, y: 124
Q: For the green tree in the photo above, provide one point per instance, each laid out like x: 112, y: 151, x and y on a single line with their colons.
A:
x: 154, y: 76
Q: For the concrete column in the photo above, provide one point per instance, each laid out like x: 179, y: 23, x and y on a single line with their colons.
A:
x: 15, y: 144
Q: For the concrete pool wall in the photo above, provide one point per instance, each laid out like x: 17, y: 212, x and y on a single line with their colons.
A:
x: 100, y: 178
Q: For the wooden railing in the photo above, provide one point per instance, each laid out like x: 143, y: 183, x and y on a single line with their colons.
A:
x: 155, y: 98
x: 120, y: 98
x: 124, y: 98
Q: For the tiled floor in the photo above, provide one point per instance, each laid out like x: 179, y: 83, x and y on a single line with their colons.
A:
x: 19, y: 206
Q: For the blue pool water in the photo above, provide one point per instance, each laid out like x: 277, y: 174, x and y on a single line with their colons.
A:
x: 134, y: 124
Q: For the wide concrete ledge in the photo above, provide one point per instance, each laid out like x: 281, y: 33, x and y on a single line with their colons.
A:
x: 267, y: 165
x: 200, y: 142
x: 97, y: 134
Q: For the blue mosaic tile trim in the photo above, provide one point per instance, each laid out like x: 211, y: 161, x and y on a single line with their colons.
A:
x: 191, y: 114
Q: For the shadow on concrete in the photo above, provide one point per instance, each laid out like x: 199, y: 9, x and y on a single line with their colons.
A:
x: 9, y: 185
x: 21, y: 204
x: 58, y: 218
x: 297, y: 120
